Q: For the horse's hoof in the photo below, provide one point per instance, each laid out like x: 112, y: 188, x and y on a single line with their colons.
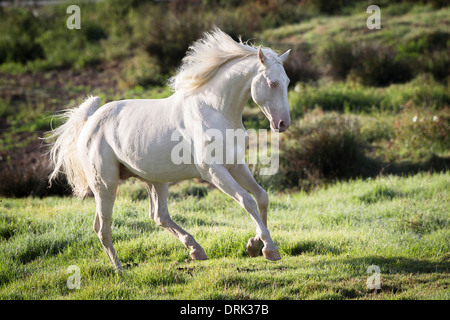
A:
x: 272, y: 255
x: 120, y: 272
x: 254, y: 247
x: 198, y: 254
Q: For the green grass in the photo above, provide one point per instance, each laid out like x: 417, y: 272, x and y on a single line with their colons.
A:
x: 327, y: 240
x: 406, y: 24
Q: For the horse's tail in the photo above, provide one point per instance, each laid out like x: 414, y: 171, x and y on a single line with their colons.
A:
x: 63, y: 151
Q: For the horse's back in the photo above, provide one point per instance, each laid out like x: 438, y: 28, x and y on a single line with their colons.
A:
x: 138, y: 133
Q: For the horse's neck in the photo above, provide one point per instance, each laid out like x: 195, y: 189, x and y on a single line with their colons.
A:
x: 229, y: 89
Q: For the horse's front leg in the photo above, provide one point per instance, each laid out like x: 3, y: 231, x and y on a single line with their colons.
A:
x: 242, y: 174
x: 222, y: 179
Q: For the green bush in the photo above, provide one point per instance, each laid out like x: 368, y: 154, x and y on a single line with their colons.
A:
x: 376, y: 128
x: 65, y: 48
x: 339, y: 56
x: 93, y: 31
x: 299, y: 66
x: 376, y: 65
x: 419, y: 133
x: 166, y: 34
x: 371, y: 63
x: 423, y: 92
x: 322, y: 147
x: 141, y: 70
x: 329, y: 7
x: 17, y: 40
x: 437, y: 63
x: 427, y: 52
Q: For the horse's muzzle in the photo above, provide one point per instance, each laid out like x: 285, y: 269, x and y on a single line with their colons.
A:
x: 281, y: 126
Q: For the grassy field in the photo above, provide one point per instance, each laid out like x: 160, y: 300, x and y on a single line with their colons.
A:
x: 374, y: 104
x: 327, y: 240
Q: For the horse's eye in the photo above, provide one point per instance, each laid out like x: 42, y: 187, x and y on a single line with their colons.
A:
x: 273, y: 85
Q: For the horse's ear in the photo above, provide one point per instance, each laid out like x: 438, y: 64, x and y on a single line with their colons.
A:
x: 284, y: 56
x: 261, y: 57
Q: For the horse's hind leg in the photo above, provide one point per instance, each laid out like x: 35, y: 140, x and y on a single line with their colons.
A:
x: 159, y: 213
x: 103, y: 179
x: 102, y: 224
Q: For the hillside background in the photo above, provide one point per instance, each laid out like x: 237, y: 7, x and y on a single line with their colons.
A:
x: 363, y: 102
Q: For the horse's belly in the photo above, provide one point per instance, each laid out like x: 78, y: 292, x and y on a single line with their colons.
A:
x: 183, y: 172
x: 157, y: 162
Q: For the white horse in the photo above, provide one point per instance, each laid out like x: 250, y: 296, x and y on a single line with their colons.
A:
x: 96, y: 147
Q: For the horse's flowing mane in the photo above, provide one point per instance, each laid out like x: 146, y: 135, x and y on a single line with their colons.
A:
x: 205, y: 57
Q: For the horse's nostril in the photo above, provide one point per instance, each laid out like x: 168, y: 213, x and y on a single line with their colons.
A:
x: 282, y: 126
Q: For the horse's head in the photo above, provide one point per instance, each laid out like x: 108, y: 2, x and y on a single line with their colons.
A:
x: 269, y: 89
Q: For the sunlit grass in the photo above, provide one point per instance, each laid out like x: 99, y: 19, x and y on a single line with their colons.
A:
x: 327, y: 240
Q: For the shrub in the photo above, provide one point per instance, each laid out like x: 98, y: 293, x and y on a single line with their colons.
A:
x: 141, y: 70
x: 328, y: 7
x: 17, y: 41
x: 322, y: 148
x: 437, y: 63
x: 65, y: 49
x: 419, y: 133
x: 93, y: 32
x: 376, y: 128
x: 339, y: 56
x: 299, y: 66
x: 377, y: 66
x: 380, y: 64
x: 426, y: 52
x: 166, y: 34
x: 29, y: 177
x: 421, y: 92
x: 371, y: 63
